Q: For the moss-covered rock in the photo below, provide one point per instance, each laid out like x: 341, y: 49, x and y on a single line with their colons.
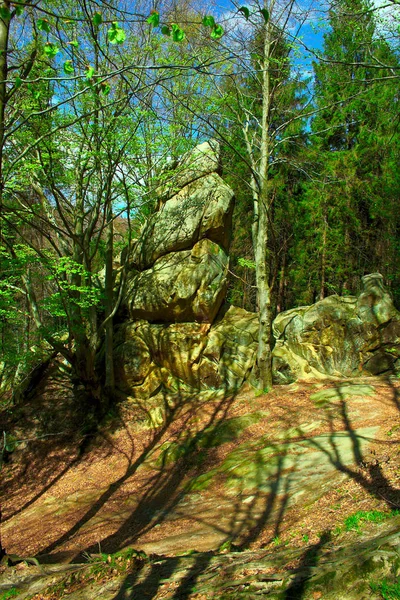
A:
x: 183, y: 286
x: 339, y: 336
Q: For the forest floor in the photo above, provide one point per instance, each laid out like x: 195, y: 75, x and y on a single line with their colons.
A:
x: 210, y: 481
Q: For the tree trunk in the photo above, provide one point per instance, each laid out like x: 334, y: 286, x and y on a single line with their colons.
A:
x: 282, y: 281
x: 261, y: 214
x: 88, y: 388
x: 109, y: 302
x: 323, y: 258
x: 4, y: 33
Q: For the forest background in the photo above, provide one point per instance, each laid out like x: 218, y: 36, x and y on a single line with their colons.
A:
x: 96, y: 97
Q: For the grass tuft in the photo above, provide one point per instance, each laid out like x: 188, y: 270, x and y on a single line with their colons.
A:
x: 388, y: 591
x: 352, y: 523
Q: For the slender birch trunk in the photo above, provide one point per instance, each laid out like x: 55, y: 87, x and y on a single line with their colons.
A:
x: 260, y: 239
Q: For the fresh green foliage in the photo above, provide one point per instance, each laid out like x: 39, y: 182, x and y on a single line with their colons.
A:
x: 245, y: 262
x: 217, y: 32
x: 178, y: 35
x: 50, y: 49
x: 352, y: 523
x: 276, y: 540
x: 245, y: 11
x: 11, y: 593
x: 43, y: 25
x: 116, y: 35
x: 119, y: 562
x: 393, y: 430
x: 209, y: 21
x: 63, y: 272
x: 97, y: 19
x: 386, y: 589
x: 5, y: 13
x: 68, y: 67
x: 154, y: 18
x: 89, y: 73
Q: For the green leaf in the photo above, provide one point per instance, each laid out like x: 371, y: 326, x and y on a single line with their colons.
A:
x: 19, y: 10
x: 97, y: 19
x: 245, y: 11
x: 165, y: 30
x: 177, y: 33
x: 10, y: 445
x: 265, y: 14
x: 116, y: 35
x: 154, y: 18
x: 5, y: 13
x: 50, y: 49
x: 245, y: 262
x: 121, y: 36
x: 74, y: 43
x: 208, y: 21
x: 105, y: 88
x: 17, y: 82
x: 89, y: 73
x: 217, y: 32
x: 43, y: 25
x: 68, y: 68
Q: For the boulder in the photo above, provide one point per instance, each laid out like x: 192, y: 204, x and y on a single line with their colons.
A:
x: 339, y: 336
x: 196, y: 163
x: 198, y: 355
x: 231, y: 348
x: 177, y: 348
x: 201, y: 209
x: 375, y: 304
x: 182, y: 286
x: 132, y: 359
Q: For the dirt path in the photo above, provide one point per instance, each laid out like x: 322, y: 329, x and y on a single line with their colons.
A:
x: 215, y: 471
x: 251, y: 472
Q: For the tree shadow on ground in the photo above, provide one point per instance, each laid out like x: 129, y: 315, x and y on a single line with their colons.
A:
x: 308, y: 562
x: 367, y: 473
x: 162, y: 491
x: 184, y: 429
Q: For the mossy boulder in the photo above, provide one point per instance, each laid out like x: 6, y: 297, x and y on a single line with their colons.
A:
x: 201, y: 209
x: 186, y: 286
x: 339, y: 336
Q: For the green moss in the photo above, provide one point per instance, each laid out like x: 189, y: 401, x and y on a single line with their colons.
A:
x: 387, y: 590
x: 211, y: 437
x: 9, y: 594
x: 120, y: 561
x: 341, y: 392
x: 352, y: 523
x: 202, y: 482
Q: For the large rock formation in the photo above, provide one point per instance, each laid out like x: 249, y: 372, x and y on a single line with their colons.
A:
x: 189, y: 285
x: 180, y: 335
x: 339, y: 336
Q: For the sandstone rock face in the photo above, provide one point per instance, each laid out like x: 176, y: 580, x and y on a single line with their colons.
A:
x: 179, y: 335
x: 195, y: 355
x: 201, y: 209
x: 339, y: 336
x: 200, y: 161
x: 182, y: 286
